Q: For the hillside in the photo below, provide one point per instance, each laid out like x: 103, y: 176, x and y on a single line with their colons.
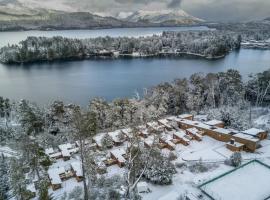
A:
x: 57, y: 20
x: 163, y: 17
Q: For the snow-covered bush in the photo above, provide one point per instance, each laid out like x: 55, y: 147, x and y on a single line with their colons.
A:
x: 235, y: 160
x: 107, y: 141
x: 160, y: 170
x: 200, y: 167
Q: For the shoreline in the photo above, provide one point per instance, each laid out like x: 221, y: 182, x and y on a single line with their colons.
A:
x: 121, y: 56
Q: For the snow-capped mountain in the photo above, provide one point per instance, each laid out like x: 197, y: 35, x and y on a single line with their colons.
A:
x: 164, y: 16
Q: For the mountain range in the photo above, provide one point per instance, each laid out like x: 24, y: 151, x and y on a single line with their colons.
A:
x: 16, y: 16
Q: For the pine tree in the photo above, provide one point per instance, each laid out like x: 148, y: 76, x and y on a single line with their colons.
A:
x: 4, y: 181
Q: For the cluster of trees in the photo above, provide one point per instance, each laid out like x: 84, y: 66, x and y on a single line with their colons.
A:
x: 208, y: 44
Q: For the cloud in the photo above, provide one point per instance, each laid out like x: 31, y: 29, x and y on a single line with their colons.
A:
x: 174, y: 4
x: 214, y: 10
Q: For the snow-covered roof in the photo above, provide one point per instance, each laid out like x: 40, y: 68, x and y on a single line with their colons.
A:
x: 170, y: 196
x: 235, y: 144
x: 200, y: 117
x: 246, y: 137
x: 150, y: 140
x: 194, y: 131
x: 253, y: 131
x: 65, y: 153
x: 31, y: 187
x: 180, y: 133
x: 65, y: 146
x: 98, y: 138
x: 118, y: 154
x: 222, y: 131
x: 54, y: 175
x: 49, y: 151
x: 165, y: 122
x: 127, y: 131
x: 214, y: 122
x: 183, y: 116
x: 55, y: 155
x: 115, y: 135
x: 77, y: 167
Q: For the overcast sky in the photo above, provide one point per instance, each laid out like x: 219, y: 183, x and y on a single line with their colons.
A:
x: 216, y: 10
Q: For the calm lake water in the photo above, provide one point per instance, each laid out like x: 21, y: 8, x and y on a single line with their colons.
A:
x: 79, y: 81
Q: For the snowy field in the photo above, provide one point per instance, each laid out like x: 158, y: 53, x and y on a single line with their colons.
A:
x: 248, y: 182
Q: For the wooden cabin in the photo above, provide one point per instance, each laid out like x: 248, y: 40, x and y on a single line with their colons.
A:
x: 186, y: 116
x: 166, y: 124
x: 216, y: 123
x: 166, y: 141
x: 155, y: 127
x: 180, y: 137
x: 118, y: 137
x: 259, y: 133
x: 251, y: 143
x: 76, y: 169
x: 195, y: 133
x: 235, y: 146
x: 118, y: 156
x: 149, y: 141
x: 54, y: 177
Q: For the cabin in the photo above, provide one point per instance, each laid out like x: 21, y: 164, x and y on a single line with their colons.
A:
x: 216, y: 123
x: 65, y: 150
x: 166, y: 141
x: 235, y: 146
x: 55, y: 175
x: 149, y: 141
x: 118, y: 137
x: 76, y: 169
x: 97, y: 139
x: 144, y: 133
x: 186, y: 116
x: 127, y: 132
x: 251, y: 143
x: 166, y: 124
x: 220, y: 134
x: 259, y: 133
x: 52, y: 154
x: 195, y: 133
x: 181, y: 137
x: 118, y: 156
x: 154, y: 127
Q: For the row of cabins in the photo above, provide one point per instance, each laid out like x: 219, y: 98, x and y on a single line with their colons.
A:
x: 248, y: 140
x: 60, y: 174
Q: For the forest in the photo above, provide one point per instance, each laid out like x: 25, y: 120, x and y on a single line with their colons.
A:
x: 206, y: 44
x: 29, y: 129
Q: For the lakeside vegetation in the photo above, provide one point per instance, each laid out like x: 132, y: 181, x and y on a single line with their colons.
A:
x: 207, y: 44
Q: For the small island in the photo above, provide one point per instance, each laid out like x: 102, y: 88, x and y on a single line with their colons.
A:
x: 205, y: 44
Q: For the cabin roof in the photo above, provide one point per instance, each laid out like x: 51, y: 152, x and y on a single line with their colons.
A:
x: 214, y: 122
x: 77, y: 167
x: 253, y: 131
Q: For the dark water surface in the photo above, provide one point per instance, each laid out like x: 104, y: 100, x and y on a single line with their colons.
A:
x: 78, y: 81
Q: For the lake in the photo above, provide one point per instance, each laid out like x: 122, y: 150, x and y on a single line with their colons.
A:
x: 79, y: 81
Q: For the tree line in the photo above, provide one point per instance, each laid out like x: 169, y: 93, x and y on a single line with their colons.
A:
x: 208, y: 44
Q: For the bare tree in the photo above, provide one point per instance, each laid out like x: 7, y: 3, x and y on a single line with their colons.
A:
x: 85, y: 128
